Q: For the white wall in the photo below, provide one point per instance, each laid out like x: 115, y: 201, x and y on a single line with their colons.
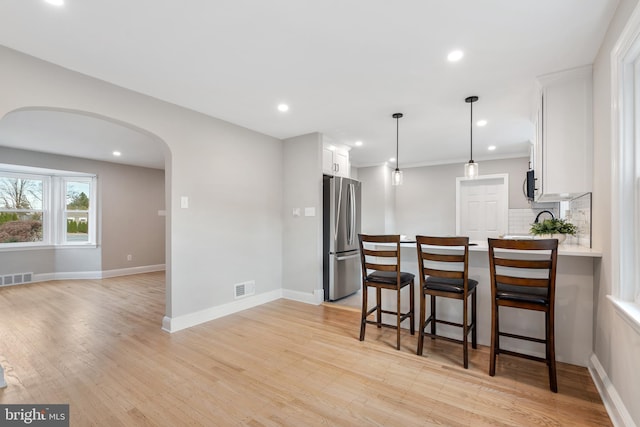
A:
x: 617, y: 345
x: 426, y: 202
x: 232, y: 175
x: 377, y: 200
x: 302, y: 243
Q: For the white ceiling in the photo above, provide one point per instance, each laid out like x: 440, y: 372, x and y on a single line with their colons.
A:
x: 344, y: 67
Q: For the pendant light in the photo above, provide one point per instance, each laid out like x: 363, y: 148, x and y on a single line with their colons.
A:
x: 396, y: 176
x: 471, y: 168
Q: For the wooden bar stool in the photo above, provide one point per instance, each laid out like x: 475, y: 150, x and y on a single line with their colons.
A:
x: 380, y: 259
x: 528, y: 281
x: 443, y: 264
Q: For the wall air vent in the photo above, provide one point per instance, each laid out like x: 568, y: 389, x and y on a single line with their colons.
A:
x: 16, y: 279
x: 244, y: 289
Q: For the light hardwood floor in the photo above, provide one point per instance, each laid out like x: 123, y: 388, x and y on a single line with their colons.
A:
x: 97, y: 345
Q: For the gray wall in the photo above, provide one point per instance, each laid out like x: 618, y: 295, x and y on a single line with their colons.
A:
x: 617, y: 345
x: 232, y: 175
x: 426, y: 202
x: 302, y: 245
x: 129, y: 199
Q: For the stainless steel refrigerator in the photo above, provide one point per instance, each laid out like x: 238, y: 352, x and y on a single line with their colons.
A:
x: 341, y: 226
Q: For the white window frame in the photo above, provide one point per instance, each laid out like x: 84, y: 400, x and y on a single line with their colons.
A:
x: 625, y: 137
x: 61, y: 239
x: 54, y: 227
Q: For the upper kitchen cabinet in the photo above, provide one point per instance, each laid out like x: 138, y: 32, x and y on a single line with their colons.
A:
x: 335, y: 159
x: 563, y: 157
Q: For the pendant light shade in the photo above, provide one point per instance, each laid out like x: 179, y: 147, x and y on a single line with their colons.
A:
x: 396, y: 176
x: 471, y: 168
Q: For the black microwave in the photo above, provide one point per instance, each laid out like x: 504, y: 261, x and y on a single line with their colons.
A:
x: 530, y: 185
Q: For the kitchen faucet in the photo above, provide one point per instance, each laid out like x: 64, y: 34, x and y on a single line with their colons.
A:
x: 541, y: 212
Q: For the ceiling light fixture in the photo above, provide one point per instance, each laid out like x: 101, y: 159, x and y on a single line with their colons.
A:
x: 396, y: 176
x: 358, y: 143
x: 455, y: 56
x: 482, y: 123
x: 283, y: 108
x: 117, y: 153
x: 55, y: 2
x: 491, y: 147
x: 471, y: 168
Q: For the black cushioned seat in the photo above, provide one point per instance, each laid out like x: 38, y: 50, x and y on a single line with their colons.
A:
x: 522, y: 294
x: 449, y: 285
x: 390, y: 277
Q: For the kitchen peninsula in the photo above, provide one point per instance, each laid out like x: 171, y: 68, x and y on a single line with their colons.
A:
x: 574, y: 304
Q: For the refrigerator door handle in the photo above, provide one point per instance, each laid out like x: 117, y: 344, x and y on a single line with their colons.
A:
x: 352, y: 214
x: 336, y: 215
x: 343, y: 258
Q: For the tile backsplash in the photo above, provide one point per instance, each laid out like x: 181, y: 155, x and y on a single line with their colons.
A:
x: 576, y: 211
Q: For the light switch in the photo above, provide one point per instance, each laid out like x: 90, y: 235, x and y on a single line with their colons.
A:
x: 310, y: 211
x: 184, y: 202
x: 296, y: 212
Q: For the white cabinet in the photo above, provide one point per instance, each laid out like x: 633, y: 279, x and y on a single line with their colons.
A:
x: 563, y: 157
x: 335, y: 160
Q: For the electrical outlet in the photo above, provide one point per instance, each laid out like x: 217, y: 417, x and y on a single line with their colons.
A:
x: 129, y: 257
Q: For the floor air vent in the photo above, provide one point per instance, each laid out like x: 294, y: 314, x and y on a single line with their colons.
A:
x: 244, y: 289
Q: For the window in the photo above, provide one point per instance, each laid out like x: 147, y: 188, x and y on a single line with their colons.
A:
x: 625, y: 75
x: 21, y: 208
x: 77, y: 211
x: 42, y: 207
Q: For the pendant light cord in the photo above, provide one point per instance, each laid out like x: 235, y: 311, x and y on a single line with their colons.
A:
x: 397, y: 141
x: 471, y: 132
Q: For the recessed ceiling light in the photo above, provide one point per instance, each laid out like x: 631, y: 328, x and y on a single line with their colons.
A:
x: 332, y: 147
x: 55, y: 2
x: 117, y: 153
x: 491, y: 147
x: 393, y: 159
x: 455, y: 55
x: 283, y: 107
x: 481, y: 123
x: 358, y: 143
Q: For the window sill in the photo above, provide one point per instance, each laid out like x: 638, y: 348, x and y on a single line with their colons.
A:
x: 47, y: 247
x: 629, y: 311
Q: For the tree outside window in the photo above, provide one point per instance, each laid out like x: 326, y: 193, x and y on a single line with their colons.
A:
x: 78, y: 194
x: 21, y: 212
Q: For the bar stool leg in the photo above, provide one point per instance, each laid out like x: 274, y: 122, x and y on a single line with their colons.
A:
x: 365, y: 307
x: 474, y: 333
x: 412, y: 308
x: 433, y: 317
x: 551, y: 352
x: 465, y: 334
x: 398, y: 316
x: 422, y: 325
x: 494, y: 338
x: 379, y: 307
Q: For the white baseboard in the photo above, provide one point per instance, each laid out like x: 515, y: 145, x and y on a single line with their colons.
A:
x: 71, y: 275
x: 315, y: 298
x: 133, y: 270
x: 175, y: 324
x: 618, y: 413
x: 74, y: 275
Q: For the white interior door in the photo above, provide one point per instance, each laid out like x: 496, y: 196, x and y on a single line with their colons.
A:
x: 482, y: 207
